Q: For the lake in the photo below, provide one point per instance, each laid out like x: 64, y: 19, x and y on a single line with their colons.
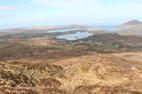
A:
x: 76, y: 36
x: 80, y: 35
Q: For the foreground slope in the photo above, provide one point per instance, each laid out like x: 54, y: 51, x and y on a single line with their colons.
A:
x: 100, y: 64
x: 87, y: 74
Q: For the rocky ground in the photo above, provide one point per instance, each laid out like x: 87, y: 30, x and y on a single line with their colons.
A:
x: 87, y: 74
x: 110, y: 64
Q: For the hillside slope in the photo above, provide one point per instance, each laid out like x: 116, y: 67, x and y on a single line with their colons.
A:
x: 94, y: 73
x: 133, y: 27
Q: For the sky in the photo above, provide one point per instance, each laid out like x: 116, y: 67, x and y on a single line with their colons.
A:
x: 24, y: 13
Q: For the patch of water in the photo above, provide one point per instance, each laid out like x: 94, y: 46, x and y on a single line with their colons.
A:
x: 76, y: 36
x: 107, y: 28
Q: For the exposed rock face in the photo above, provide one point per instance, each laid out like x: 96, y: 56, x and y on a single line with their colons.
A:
x: 30, y: 79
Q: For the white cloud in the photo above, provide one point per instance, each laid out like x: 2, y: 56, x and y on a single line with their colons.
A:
x: 7, y: 8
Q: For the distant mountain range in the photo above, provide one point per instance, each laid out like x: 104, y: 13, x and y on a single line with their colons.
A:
x: 133, y: 27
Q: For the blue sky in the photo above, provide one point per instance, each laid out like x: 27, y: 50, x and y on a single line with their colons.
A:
x: 21, y: 13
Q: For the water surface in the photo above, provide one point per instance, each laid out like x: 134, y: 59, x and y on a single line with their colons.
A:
x: 76, y: 36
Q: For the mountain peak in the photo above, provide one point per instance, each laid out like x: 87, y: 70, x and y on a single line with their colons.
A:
x: 133, y: 22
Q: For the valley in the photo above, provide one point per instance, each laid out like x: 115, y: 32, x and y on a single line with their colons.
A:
x: 35, y: 61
